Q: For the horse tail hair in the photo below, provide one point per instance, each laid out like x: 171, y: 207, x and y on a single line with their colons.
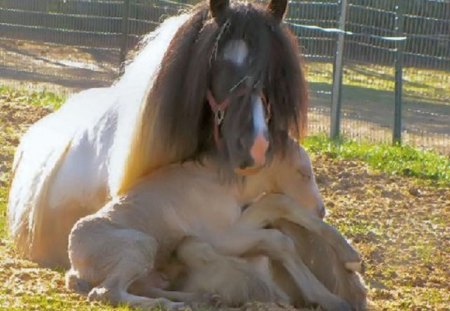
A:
x: 34, y: 168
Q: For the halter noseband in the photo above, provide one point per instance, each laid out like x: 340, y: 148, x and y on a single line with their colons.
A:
x: 219, y: 111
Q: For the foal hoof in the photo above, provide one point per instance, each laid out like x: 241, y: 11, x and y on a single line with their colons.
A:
x: 339, y: 305
x: 354, y: 266
x: 103, y: 294
x: 213, y: 300
x: 342, y: 306
x: 177, y: 306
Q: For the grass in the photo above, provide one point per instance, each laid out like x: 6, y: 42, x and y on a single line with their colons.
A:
x: 41, y: 98
x: 397, y: 160
x: 3, y: 228
x: 426, y: 84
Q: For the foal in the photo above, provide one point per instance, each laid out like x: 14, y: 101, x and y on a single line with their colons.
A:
x: 134, y: 235
x: 199, y: 268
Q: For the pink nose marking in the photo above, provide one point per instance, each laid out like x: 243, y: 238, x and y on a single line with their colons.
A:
x: 258, y: 150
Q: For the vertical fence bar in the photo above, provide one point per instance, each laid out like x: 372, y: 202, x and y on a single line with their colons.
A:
x: 399, y: 22
x: 124, y: 43
x: 338, y: 68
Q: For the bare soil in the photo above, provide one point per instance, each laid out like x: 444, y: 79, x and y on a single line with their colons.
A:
x: 48, y: 65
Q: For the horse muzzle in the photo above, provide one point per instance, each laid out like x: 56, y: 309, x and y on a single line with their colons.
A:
x: 258, y: 156
x: 258, y: 150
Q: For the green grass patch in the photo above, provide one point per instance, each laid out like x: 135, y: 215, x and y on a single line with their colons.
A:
x: 398, y: 160
x: 424, y: 84
x: 41, y: 98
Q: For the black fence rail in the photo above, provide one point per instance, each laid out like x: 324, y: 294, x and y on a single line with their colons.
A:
x: 426, y: 24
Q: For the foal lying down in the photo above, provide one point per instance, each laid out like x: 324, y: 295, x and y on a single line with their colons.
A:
x: 133, y: 236
x: 199, y: 268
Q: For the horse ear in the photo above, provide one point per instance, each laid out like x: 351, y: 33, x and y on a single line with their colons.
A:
x: 277, y: 8
x: 218, y: 8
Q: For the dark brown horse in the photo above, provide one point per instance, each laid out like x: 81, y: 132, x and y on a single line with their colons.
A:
x: 232, y: 78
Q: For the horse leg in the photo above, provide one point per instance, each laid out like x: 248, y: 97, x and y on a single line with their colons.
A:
x: 148, y: 287
x: 114, y: 291
x: 274, y: 207
x: 279, y: 247
x: 181, y: 296
x: 322, y: 261
x: 235, y: 280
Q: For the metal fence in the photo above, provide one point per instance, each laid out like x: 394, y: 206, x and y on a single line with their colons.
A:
x: 364, y: 57
x: 381, y: 72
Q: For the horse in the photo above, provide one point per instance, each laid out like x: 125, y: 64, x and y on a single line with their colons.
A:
x: 136, y: 234
x: 222, y: 76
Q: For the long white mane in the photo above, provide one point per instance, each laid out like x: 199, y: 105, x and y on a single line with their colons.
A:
x: 71, y: 161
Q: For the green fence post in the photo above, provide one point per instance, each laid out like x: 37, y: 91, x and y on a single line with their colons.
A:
x: 397, y: 130
x: 338, y: 69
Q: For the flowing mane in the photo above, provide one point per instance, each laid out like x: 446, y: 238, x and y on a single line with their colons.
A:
x: 175, y: 121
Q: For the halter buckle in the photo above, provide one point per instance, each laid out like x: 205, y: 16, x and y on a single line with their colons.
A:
x: 219, y: 115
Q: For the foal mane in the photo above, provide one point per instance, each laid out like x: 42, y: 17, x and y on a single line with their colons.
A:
x: 175, y: 120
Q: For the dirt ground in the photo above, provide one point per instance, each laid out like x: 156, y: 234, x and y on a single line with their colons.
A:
x: 48, y: 64
x: 401, y: 227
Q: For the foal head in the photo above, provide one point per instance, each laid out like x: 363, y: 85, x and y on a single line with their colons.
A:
x: 292, y: 174
x: 231, y: 81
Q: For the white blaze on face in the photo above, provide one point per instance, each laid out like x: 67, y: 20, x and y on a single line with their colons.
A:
x: 259, y: 119
x: 236, y: 51
x: 260, y: 144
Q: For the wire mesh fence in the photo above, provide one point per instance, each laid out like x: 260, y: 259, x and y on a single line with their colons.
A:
x: 81, y: 43
x: 376, y: 35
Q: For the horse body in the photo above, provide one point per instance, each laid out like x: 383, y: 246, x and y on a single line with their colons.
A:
x: 71, y: 162
x: 158, y: 114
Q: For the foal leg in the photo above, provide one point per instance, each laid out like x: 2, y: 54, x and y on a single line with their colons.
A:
x: 214, y: 278
x: 111, y: 258
x: 113, y: 291
x: 322, y: 261
x: 277, y: 246
x: 233, y: 279
x: 144, y: 288
x: 275, y: 207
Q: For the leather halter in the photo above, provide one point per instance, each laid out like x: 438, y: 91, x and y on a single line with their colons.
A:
x: 219, y: 111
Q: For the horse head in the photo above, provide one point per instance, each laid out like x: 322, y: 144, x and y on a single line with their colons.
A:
x: 231, y: 81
